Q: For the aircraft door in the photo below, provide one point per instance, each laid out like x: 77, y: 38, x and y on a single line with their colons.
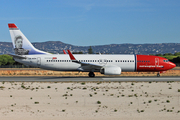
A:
x: 38, y: 61
x: 156, y: 61
x: 100, y: 61
x: 105, y: 61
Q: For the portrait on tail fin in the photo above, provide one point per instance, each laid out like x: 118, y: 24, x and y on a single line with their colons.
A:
x: 19, y: 50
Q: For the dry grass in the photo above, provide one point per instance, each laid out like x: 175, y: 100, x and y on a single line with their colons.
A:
x: 40, y: 72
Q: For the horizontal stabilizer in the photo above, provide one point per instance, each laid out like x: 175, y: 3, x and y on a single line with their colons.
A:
x: 17, y: 56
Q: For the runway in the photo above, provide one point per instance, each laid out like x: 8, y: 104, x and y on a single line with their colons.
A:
x: 87, y: 79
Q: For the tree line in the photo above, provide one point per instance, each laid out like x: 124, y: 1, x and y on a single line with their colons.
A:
x: 175, y: 58
x: 7, y: 61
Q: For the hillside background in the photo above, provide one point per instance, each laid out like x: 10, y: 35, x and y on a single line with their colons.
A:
x: 58, y: 47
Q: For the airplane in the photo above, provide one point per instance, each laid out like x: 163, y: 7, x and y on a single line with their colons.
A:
x: 106, y: 64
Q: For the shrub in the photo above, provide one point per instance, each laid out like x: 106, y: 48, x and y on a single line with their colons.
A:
x: 36, y: 102
x: 1, y: 87
x: 130, y: 95
x: 135, y: 95
x: 115, y: 110
x: 111, y: 94
x: 84, y: 88
x: 167, y: 101
x: 83, y: 83
x: 142, y: 110
x: 98, y: 102
x: 178, y: 90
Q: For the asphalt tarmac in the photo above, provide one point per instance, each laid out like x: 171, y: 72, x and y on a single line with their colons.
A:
x: 87, y: 79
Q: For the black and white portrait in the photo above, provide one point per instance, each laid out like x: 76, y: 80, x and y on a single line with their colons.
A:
x: 18, y: 41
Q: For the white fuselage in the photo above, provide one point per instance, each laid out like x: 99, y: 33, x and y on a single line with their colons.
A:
x: 62, y: 62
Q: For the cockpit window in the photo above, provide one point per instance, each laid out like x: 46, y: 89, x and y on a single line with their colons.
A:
x: 166, y: 60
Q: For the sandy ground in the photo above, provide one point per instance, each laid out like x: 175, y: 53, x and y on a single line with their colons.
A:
x: 40, y: 72
x: 89, y: 100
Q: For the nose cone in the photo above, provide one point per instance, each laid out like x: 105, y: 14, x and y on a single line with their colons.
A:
x: 172, y: 65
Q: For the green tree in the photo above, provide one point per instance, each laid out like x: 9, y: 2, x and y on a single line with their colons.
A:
x: 159, y: 54
x: 166, y: 54
x: 77, y: 52
x: 90, y: 51
x: 6, y: 60
x: 177, y: 53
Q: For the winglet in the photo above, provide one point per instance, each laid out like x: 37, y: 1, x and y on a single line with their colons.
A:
x: 71, y: 56
x: 12, y: 25
x: 64, y: 52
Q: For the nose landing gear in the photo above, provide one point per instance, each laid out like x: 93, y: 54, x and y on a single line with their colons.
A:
x: 91, y: 74
x: 158, y: 74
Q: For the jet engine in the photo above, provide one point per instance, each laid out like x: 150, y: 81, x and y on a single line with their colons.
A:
x: 111, y: 70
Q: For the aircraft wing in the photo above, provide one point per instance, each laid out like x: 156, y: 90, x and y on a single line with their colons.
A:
x: 84, y: 65
x: 17, y: 56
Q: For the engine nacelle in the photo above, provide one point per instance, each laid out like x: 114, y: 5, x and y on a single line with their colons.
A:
x: 111, y: 70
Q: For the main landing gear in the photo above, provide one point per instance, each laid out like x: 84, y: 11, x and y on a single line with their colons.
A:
x: 158, y: 74
x: 91, y: 74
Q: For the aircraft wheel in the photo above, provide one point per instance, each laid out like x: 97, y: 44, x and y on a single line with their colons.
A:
x: 158, y: 74
x: 91, y: 74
